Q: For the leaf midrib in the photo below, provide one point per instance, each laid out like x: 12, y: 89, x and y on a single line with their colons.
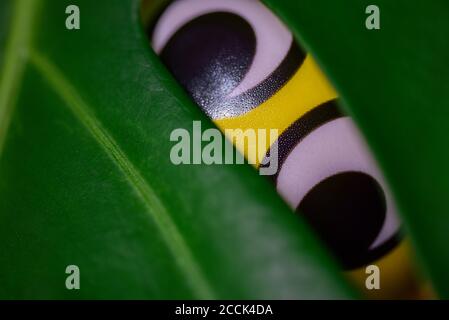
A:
x: 15, y: 59
x: 19, y: 53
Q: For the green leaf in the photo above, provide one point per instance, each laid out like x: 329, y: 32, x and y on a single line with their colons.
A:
x: 4, y: 27
x: 86, y: 178
x: 394, y: 83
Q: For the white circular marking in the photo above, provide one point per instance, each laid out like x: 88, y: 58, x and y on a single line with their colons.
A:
x: 333, y: 148
x: 273, y: 39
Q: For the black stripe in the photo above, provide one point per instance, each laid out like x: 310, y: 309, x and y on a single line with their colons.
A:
x: 310, y: 121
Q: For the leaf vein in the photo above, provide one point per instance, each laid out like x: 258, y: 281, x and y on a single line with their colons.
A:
x: 16, y: 51
x: 168, y: 229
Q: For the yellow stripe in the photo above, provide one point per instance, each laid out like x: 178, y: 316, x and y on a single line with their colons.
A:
x: 307, y: 89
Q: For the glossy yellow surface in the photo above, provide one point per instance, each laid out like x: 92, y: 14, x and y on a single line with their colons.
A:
x: 307, y: 89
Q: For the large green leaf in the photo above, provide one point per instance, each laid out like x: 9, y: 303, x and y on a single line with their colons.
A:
x: 395, y: 84
x: 86, y: 179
